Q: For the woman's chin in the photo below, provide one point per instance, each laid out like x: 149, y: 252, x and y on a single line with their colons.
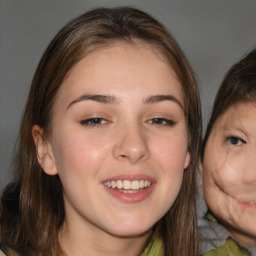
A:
x: 124, y: 231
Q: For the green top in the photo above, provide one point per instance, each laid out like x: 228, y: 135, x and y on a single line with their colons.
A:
x: 154, y: 248
x: 229, y: 248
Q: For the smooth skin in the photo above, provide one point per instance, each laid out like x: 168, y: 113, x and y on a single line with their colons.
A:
x: 119, y: 112
x: 229, y: 172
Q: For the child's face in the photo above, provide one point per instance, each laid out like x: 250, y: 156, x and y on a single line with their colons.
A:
x: 119, y: 140
x: 229, y: 168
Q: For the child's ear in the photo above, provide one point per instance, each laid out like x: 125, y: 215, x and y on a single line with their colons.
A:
x: 187, y: 160
x: 44, y: 151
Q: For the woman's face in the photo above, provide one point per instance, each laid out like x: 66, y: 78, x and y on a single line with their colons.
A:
x: 119, y: 140
x: 229, y: 170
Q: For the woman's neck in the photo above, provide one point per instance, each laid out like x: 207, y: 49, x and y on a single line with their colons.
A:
x: 91, y: 241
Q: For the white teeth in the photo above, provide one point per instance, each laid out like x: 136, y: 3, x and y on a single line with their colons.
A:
x: 119, y: 184
x: 252, y: 202
x: 128, y: 185
x: 135, y: 184
x: 113, y: 184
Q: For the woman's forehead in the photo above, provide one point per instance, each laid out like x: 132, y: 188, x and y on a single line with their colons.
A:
x: 119, y: 66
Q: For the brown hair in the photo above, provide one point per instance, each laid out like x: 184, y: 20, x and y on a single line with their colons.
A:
x: 32, y: 207
x: 239, y: 85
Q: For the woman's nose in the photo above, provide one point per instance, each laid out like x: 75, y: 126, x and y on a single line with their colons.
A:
x: 131, y: 144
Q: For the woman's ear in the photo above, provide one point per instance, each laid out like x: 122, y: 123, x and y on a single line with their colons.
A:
x: 187, y: 160
x: 44, y: 151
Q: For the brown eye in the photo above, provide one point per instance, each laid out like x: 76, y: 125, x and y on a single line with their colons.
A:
x: 162, y: 121
x: 95, y: 121
x: 235, y: 141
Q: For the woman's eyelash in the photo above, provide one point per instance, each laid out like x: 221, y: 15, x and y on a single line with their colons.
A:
x: 233, y: 140
x: 94, y: 121
x: 97, y: 121
x: 162, y: 121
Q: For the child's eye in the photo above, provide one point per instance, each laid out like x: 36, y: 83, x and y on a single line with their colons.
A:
x: 235, y: 141
x: 161, y: 121
x: 94, y: 121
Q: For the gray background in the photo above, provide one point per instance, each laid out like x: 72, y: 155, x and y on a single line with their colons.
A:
x: 213, y: 34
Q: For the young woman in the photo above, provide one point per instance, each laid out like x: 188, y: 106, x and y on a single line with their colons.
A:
x: 229, y: 166
x: 109, y: 144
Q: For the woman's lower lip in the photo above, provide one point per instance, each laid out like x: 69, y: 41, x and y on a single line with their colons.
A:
x: 130, y: 196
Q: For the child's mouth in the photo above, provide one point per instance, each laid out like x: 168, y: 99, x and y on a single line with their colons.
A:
x: 251, y: 202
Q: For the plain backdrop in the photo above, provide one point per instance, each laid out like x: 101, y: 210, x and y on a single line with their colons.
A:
x: 214, y: 34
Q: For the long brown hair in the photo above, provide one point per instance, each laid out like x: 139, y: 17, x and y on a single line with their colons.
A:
x: 32, y: 208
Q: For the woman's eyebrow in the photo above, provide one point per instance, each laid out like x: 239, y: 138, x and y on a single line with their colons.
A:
x: 109, y: 99
x: 158, y: 98
x: 234, y: 128
x: 106, y: 99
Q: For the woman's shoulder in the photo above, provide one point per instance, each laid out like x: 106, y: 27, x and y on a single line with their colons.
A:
x: 154, y: 248
x: 5, y: 251
x: 2, y: 250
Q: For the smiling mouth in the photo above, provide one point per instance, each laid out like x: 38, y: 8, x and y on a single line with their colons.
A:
x: 251, y: 202
x: 127, y: 186
x: 248, y: 204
